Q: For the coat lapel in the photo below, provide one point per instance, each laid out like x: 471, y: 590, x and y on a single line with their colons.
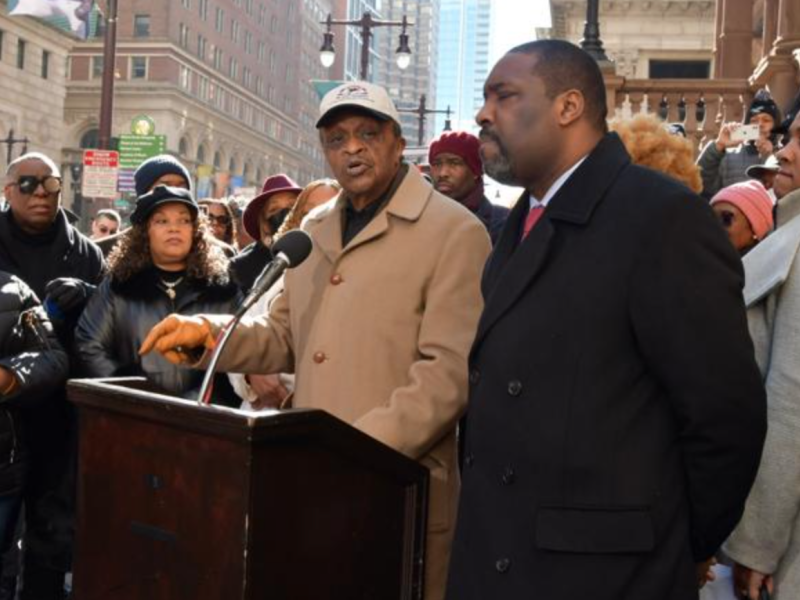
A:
x: 515, y: 266
x: 512, y: 274
x: 407, y: 203
x: 327, y: 235
x: 768, y: 265
x: 506, y: 245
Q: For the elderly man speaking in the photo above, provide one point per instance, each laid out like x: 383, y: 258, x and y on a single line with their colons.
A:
x: 378, y: 321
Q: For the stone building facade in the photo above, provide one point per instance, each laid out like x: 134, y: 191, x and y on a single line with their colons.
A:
x: 224, y: 80
x: 33, y: 59
x: 645, y: 38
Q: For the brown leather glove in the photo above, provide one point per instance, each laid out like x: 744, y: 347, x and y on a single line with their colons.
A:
x: 180, y: 339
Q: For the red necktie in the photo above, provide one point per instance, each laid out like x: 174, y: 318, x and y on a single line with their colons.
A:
x: 534, y: 214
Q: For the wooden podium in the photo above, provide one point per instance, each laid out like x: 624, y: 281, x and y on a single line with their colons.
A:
x: 179, y: 501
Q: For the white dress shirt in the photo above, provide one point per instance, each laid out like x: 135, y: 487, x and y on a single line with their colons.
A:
x: 535, y: 203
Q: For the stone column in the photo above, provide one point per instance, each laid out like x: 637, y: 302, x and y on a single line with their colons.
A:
x: 779, y: 69
x: 734, y: 40
x: 718, y: 12
x: 770, y: 25
x: 788, y: 26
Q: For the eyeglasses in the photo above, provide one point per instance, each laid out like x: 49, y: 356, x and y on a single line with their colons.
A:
x: 28, y: 184
x: 221, y: 219
x: 727, y: 218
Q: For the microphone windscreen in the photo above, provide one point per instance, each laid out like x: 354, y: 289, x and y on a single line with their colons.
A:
x: 295, y: 245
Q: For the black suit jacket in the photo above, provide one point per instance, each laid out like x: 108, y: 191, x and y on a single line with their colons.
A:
x: 616, y: 411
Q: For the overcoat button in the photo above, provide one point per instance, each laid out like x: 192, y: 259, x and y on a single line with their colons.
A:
x: 515, y: 388
x: 474, y: 376
x: 319, y: 357
x: 469, y: 459
x: 509, y: 476
x: 502, y: 565
x: 336, y: 279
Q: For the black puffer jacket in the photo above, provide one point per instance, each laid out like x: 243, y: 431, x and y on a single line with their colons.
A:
x: 29, y: 349
x: 119, y: 317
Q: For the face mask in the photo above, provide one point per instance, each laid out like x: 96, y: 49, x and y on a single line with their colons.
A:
x: 276, y: 220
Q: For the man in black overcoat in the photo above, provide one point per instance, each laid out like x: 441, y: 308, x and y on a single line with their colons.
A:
x: 616, y: 411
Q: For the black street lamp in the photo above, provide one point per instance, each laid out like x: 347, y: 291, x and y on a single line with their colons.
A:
x: 591, y: 41
x: 76, y: 171
x: 422, y: 111
x: 327, y: 53
x: 10, y: 141
x: 107, y: 90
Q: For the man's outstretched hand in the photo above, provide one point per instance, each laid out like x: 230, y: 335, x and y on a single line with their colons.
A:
x: 178, y: 338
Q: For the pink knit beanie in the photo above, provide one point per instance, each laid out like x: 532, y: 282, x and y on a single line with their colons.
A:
x: 752, y: 199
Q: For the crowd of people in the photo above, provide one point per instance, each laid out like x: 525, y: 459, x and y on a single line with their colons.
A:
x: 610, y: 366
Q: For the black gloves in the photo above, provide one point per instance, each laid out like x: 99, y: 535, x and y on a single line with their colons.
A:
x: 68, y: 294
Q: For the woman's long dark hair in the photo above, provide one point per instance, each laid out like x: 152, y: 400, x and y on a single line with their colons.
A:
x: 206, y: 261
x: 230, y: 228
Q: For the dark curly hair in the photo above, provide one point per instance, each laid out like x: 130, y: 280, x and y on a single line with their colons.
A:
x: 206, y: 261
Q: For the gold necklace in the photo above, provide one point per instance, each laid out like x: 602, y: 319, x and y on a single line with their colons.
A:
x: 169, y: 287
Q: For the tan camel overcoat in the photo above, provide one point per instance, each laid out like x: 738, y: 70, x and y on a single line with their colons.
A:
x: 378, y: 334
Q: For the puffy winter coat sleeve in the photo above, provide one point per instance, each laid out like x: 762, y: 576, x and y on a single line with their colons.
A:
x: 33, y: 353
x: 709, y: 162
x: 94, y: 336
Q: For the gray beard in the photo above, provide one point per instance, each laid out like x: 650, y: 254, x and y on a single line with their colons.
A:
x: 500, y: 170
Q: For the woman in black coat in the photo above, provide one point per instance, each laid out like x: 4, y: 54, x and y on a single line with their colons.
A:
x: 165, y: 263
x: 32, y: 365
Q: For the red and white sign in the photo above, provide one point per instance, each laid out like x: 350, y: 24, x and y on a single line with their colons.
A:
x: 100, y: 173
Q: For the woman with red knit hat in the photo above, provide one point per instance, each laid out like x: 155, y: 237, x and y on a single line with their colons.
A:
x: 745, y: 211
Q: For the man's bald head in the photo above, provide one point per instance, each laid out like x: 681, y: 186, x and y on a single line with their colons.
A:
x: 11, y: 170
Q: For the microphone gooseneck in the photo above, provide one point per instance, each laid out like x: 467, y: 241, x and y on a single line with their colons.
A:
x: 291, y: 250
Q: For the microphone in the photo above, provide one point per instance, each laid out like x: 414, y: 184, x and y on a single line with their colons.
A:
x: 291, y: 250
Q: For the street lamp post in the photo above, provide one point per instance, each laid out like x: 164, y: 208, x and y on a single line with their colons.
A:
x: 107, y: 93
x: 422, y: 111
x: 327, y: 54
x: 10, y: 141
x: 591, y: 41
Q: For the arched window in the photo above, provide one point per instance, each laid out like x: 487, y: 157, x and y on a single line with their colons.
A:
x: 201, y: 154
x: 232, y: 166
x: 217, y: 160
x: 183, y: 148
x: 90, y: 139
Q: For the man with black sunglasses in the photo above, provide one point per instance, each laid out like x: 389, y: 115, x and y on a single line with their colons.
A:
x: 62, y: 266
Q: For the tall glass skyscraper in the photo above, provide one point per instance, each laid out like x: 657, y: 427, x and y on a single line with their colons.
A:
x: 464, y: 47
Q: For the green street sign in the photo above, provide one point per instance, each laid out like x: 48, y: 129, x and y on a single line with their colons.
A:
x: 135, y: 149
x: 323, y: 86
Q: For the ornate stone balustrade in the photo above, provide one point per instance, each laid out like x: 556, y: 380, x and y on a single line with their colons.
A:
x: 701, y: 105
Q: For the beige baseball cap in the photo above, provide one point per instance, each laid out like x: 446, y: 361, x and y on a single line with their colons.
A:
x: 368, y: 97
